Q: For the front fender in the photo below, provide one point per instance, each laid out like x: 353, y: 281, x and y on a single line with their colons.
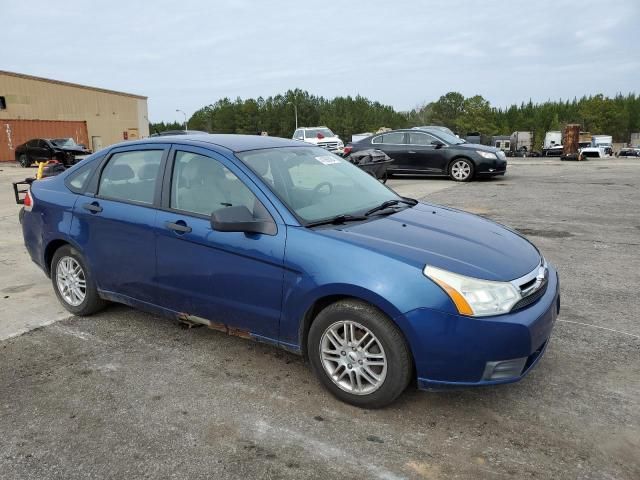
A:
x: 320, y: 267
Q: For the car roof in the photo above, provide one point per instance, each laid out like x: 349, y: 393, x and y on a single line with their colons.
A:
x: 233, y: 142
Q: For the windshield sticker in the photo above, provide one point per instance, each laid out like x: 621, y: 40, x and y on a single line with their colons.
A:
x: 327, y: 160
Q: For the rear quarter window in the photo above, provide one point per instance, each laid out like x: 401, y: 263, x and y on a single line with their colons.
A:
x: 79, y: 179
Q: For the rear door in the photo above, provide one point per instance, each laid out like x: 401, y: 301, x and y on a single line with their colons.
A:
x: 229, y: 278
x: 114, y: 220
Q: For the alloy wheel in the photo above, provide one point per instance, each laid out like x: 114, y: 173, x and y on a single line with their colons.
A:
x: 71, y: 281
x: 461, y: 170
x: 353, y: 357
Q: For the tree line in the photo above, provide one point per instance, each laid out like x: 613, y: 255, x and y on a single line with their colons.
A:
x: 618, y: 116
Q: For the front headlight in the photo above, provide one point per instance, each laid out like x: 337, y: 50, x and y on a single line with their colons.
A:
x: 340, y: 143
x: 489, y: 155
x: 473, y: 296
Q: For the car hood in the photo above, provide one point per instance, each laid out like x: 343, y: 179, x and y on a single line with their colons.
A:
x: 322, y: 140
x: 445, y: 238
x: 477, y: 146
x: 72, y: 149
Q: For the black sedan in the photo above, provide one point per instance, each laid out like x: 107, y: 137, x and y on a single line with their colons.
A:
x: 434, y: 152
x: 65, y: 150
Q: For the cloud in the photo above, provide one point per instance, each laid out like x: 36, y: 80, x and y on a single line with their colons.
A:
x: 186, y: 55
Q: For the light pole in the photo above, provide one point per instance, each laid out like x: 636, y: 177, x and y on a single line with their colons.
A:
x: 185, y: 118
x: 295, y: 109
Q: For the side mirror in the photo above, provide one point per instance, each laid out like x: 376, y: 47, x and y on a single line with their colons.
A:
x: 240, y: 219
x: 438, y: 144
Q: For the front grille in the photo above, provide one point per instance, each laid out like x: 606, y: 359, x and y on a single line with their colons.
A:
x: 329, y: 145
x: 534, y: 297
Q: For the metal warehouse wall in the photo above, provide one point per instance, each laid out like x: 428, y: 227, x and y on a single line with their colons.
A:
x: 16, y: 132
x: 107, y: 114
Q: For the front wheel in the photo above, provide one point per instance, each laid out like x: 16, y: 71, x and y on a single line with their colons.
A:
x: 73, y: 284
x: 358, y: 354
x: 461, y: 170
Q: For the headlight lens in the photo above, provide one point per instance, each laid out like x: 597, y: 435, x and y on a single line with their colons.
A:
x: 340, y: 143
x: 475, y: 297
x: 489, y: 155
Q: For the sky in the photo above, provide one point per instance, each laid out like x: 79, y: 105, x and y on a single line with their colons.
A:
x: 185, y: 55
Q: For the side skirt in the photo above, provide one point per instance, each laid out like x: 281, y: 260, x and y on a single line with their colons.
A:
x: 194, y: 320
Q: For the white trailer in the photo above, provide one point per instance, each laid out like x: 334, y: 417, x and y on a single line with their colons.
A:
x: 521, y: 143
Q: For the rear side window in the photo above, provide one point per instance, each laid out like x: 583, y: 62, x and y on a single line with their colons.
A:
x: 131, y: 176
x: 394, y: 138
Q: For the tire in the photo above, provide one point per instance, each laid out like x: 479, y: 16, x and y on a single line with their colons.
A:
x: 461, y: 170
x: 385, y: 346
x: 64, y: 260
x: 24, y: 160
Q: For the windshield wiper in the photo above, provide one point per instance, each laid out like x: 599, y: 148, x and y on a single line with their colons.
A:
x: 337, y: 220
x: 391, y: 203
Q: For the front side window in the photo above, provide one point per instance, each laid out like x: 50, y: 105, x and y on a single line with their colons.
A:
x: 202, y: 185
x: 420, y: 138
x: 131, y: 176
x: 299, y: 135
x: 315, y: 184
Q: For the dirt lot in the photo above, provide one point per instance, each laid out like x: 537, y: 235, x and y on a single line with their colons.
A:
x: 124, y: 394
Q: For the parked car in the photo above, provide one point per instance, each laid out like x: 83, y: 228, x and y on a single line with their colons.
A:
x: 64, y: 150
x: 320, y: 136
x: 288, y: 244
x: 629, y: 152
x: 166, y: 133
x: 435, y: 153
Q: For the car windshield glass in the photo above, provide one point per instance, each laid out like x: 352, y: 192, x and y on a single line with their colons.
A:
x: 315, y: 184
x: 450, y: 139
x: 318, y: 133
x: 64, y: 142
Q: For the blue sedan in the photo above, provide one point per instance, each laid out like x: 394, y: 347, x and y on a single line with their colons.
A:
x: 288, y: 244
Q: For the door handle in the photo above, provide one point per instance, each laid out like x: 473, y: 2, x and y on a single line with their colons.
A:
x: 92, y: 207
x: 411, y: 151
x: 179, y: 227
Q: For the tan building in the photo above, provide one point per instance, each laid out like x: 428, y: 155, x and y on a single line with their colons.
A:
x: 33, y: 107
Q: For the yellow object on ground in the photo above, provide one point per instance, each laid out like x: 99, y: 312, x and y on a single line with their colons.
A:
x: 40, y: 170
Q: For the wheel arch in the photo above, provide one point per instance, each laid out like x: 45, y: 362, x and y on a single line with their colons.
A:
x: 52, y: 246
x: 329, y: 298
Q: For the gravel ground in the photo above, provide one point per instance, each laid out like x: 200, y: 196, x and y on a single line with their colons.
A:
x: 124, y: 394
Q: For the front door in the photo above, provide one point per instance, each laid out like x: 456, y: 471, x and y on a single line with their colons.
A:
x: 232, y: 279
x: 423, y: 155
x: 114, y: 226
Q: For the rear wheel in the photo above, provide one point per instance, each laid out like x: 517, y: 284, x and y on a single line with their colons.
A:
x: 24, y: 160
x: 358, y: 354
x: 73, y: 284
x: 461, y: 170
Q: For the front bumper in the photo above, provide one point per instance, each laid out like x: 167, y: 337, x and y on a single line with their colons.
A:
x: 487, y: 167
x: 455, y: 350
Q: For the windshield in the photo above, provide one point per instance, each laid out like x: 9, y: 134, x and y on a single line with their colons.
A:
x: 64, y: 142
x: 318, y: 133
x: 315, y: 184
x: 448, y: 138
